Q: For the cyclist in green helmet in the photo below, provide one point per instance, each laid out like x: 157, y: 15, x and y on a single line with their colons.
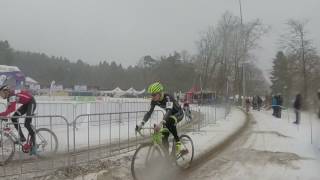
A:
x: 174, y: 113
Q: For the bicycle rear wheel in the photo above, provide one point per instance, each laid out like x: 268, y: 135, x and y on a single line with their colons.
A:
x: 185, y: 157
x: 46, y: 142
x: 7, y: 149
x: 147, y: 161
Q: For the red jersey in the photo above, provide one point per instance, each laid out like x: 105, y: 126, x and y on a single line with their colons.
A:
x: 21, y: 97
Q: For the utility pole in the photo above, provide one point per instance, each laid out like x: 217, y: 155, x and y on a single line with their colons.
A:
x: 243, y: 80
x: 243, y: 69
x: 240, y: 11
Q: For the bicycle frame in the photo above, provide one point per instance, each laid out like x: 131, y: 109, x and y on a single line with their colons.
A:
x: 6, y: 130
x: 156, y: 139
x: 156, y: 144
x: 156, y: 136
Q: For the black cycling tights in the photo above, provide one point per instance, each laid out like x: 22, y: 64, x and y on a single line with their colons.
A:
x: 27, y: 109
x: 171, y: 125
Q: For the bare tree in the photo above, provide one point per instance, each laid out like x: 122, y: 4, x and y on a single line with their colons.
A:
x: 207, y: 46
x: 224, y: 48
x: 301, y: 49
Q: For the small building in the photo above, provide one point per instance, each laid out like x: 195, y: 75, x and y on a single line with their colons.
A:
x: 195, y: 95
x: 32, y: 84
x: 80, y: 88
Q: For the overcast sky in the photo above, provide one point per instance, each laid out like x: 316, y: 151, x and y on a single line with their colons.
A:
x: 126, y: 30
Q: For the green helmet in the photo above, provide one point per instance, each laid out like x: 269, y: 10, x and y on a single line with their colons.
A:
x: 155, y: 88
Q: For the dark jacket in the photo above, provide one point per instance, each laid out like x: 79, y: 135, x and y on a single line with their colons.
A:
x: 168, y: 103
x: 297, y: 103
x: 279, y: 100
x: 259, y: 100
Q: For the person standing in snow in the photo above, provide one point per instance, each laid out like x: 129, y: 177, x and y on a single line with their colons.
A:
x: 274, y: 104
x: 259, y: 102
x: 248, y: 104
x: 318, y: 94
x: 279, y: 105
x: 297, y: 108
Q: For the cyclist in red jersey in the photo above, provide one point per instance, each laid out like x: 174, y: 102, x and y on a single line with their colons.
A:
x: 28, y: 107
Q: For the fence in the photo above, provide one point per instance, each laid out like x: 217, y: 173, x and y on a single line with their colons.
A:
x: 102, y: 130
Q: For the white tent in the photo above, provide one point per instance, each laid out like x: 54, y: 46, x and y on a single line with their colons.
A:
x: 131, y: 91
x: 117, y: 92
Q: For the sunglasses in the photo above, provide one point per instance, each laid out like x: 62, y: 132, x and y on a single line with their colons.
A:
x: 153, y: 95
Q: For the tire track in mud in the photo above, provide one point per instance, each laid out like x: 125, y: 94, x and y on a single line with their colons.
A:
x: 238, y: 137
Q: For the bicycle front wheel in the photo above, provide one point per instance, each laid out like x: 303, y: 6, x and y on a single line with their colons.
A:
x: 7, y: 149
x: 185, y: 157
x: 147, y: 161
x: 46, y: 142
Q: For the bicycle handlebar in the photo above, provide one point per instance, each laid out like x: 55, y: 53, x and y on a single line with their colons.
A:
x: 153, y: 128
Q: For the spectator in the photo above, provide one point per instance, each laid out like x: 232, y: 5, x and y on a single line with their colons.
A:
x: 297, y: 108
x: 274, y: 103
x: 187, y: 111
x: 178, y: 97
x: 248, y: 103
x: 279, y: 105
x: 318, y: 93
x: 254, y: 102
x: 259, y: 100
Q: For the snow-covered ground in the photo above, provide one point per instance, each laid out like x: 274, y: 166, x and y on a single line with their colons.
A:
x: 272, y: 149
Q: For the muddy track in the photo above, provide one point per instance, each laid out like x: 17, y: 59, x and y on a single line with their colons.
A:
x: 250, y: 154
x: 238, y: 138
x: 33, y: 165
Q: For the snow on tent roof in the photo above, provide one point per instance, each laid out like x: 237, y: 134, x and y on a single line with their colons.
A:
x: 131, y: 90
x: 5, y: 68
x: 117, y: 89
x: 31, y: 81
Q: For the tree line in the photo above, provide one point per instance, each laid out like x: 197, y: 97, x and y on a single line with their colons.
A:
x: 171, y: 70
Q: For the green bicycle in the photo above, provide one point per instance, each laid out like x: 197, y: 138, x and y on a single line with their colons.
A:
x: 152, y: 156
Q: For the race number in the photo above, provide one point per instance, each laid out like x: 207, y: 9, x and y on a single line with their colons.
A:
x: 169, y: 105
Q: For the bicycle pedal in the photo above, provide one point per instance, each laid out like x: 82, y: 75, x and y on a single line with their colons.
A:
x: 26, y: 148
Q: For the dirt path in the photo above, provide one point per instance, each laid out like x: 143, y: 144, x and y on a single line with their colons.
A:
x: 254, y: 155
